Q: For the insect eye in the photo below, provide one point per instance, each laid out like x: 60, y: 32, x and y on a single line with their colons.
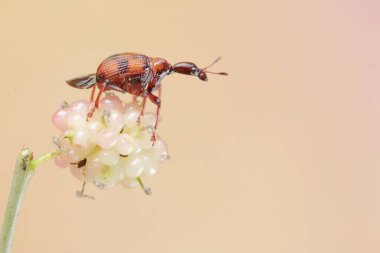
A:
x: 194, y: 71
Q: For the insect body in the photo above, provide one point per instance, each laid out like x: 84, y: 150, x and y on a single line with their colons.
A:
x: 136, y: 74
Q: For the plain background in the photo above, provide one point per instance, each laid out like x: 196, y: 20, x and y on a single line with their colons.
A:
x: 280, y: 156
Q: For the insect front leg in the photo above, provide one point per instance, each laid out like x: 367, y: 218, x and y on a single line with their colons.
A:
x: 157, y: 101
x: 142, y: 109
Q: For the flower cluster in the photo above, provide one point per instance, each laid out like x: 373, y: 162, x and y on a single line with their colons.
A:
x: 113, y: 146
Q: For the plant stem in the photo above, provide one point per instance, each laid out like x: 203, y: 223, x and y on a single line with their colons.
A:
x: 24, y: 170
x: 147, y: 190
x: 21, y: 177
x: 37, y: 162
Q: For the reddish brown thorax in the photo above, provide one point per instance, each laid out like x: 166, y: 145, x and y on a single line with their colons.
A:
x: 160, y: 64
x: 161, y: 68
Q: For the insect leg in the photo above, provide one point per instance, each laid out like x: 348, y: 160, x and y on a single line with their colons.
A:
x: 157, y: 101
x: 102, y: 87
x: 142, y: 109
x: 159, y: 92
x: 93, y: 94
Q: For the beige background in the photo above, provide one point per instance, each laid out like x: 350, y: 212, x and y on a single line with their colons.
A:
x: 281, y: 156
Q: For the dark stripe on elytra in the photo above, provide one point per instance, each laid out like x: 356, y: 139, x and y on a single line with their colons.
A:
x: 122, y: 65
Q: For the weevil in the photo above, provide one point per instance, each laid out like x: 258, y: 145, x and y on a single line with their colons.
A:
x: 138, y: 75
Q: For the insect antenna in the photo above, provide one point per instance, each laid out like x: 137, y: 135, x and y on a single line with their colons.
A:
x: 217, y: 73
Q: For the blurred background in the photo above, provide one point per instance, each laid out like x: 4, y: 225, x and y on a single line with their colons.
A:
x: 280, y: 156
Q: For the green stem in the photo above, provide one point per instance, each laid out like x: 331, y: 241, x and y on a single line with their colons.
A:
x: 37, y: 162
x: 24, y: 170
x: 147, y: 190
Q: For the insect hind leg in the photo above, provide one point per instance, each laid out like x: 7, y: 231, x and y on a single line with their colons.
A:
x: 93, y: 94
x: 101, y: 90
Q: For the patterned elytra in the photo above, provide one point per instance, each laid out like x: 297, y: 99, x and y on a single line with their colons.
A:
x: 125, y: 72
x: 123, y: 65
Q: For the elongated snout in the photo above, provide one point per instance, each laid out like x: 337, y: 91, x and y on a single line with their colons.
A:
x: 189, y: 68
